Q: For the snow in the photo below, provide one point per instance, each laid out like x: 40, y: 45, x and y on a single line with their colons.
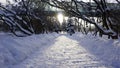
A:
x: 58, y: 50
x: 14, y: 50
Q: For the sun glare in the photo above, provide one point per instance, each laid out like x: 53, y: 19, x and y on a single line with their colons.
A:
x: 60, y: 17
x: 3, y: 1
x: 66, y: 18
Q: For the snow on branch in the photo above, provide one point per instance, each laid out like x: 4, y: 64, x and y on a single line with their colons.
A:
x: 73, y: 8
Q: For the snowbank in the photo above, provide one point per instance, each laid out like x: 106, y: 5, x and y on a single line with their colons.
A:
x: 14, y: 50
x: 107, y: 50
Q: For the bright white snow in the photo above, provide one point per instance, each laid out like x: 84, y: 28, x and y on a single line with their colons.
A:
x: 59, y: 51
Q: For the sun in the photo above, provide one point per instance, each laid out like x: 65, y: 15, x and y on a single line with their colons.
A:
x: 60, y: 17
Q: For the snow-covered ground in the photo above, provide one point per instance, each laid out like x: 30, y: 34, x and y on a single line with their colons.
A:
x: 59, y: 51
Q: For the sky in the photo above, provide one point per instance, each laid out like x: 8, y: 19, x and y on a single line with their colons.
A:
x: 111, y: 1
x: 4, y: 1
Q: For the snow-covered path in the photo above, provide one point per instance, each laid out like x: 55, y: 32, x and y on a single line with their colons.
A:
x: 64, y: 52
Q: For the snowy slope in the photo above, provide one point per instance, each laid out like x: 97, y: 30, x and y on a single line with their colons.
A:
x: 58, y: 51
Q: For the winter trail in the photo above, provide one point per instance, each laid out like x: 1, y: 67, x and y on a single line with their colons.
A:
x: 63, y: 53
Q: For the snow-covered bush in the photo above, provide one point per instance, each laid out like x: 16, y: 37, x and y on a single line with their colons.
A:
x: 70, y: 27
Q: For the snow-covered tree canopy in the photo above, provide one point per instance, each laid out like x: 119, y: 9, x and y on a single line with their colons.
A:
x: 29, y: 17
x: 106, y: 13
x: 26, y: 17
